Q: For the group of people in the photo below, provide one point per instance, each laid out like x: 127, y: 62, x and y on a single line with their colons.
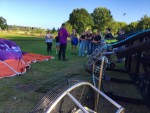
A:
x: 88, y: 41
x: 61, y: 42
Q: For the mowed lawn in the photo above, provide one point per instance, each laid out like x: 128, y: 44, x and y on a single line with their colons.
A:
x: 19, y: 94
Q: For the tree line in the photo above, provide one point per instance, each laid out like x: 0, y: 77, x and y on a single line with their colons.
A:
x: 101, y: 18
x: 81, y: 20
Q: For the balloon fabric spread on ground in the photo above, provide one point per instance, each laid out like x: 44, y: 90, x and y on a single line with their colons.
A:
x: 13, y: 61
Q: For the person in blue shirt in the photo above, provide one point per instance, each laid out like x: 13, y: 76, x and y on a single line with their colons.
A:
x: 72, y: 37
x: 74, y: 44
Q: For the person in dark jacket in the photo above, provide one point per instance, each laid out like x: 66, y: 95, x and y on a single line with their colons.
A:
x: 121, y: 36
x: 108, y: 34
x: 96, y: 41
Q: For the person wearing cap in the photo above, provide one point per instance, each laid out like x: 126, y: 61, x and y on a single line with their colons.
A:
x: 63, y: 34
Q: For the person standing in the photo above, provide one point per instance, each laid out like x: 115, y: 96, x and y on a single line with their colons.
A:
x: 88, y: 42
x: 63, y: 34
x: 72, y: 36
x: 108, y: 34
x: 121, y: 36
x: 96, y: 41
x: 49, y: 41
x: 74, y: 43
x: 82, y: 44
x: 57, y: 44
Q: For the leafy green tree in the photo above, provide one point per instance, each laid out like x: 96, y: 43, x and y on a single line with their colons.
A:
x: 3, y: 23
x: 114, y: 26
x: 68, y: 27
x: 144, y: 23
x: 122, y: 25
x: 132, y: 27
x: 102, y: 17
x: 53, y: 30
x: 80, y: 19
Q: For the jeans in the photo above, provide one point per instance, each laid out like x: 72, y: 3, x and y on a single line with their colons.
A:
x: 82, y: 48
x: 62, y: 51
x: 94, y: 46
x: 89, y: 45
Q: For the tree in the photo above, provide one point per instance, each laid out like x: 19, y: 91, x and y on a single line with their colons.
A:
x: 68, y: 27
x: 114, y: 26
x: 144, y: 23
x: 132, y: 27
x: 3, y: 23
x: 122, y: 25
x: 102, y: 17
x: 53, y: 30
x: 80, y: 19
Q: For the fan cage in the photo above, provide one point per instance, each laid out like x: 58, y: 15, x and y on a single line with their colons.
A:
x: 70, y: 99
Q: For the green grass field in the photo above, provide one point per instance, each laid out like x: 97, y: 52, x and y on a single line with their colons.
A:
x: 19, y: 94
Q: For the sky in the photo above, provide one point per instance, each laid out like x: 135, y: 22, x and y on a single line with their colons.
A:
x: 52, y: 13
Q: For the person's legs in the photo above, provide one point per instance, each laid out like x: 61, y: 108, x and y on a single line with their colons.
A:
x: 86, y: 43
x: 75, y: 46
x: 60, y: 51
x: 83, y: 48
x: 50, y: 46
x: 72, y: 47
x: 57, y: 47
x: 80, y: 49
x: 120, y: 60
x: 93, y: 47
x: 71, y: 44
x: 64, y: 51
x: 88, y: 48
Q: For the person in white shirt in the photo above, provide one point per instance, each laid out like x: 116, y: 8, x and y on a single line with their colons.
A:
x: 49, y: 41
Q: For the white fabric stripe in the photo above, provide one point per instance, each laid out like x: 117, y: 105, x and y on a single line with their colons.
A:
x: 10, y: 67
